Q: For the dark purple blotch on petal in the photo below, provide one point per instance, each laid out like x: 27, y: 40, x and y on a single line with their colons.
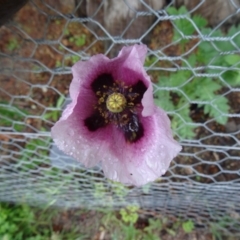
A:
x: 94, y: 122
x: 99, y: 83
x: 140, y: 89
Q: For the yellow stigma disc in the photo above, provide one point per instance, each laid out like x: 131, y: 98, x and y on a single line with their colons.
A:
x: 116, y: 102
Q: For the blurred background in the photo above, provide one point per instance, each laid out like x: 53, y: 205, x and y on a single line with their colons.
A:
x: 194, y: 63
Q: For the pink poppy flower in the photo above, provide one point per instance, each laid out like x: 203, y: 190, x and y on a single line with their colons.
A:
x: 112, y: 119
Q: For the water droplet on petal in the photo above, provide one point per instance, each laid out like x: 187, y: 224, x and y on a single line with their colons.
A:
x: 115, y: 175
x: 71, y: 132
x: 150, y: 163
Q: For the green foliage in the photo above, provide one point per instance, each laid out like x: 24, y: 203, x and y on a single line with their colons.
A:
x: 34, y: 154
x: 13, y: 44
x: 12, y: 116
x: 224, y: 222
x: 35, y: 150
x: 56, y: 113
x: 149, y: 61
x: 178, y: 90
x: 120, y: 190
x: 155, y: 225
x: 22, y: 222
x: 146, y: 188
x: 188, y: 226
x: 184, y: 24
x: 129, y: 214
x: 16, y: 223
x: 74, y: 58
x: 99, y: 190
x: 69, y: 60
x: 79, y: 41
x: 58, y: 63
x: 130, y: 232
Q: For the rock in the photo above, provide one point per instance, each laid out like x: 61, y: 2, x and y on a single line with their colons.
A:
x: 231, y: 126
x: 215, y: 12
x: 9, y: 8
x: 119, y: 19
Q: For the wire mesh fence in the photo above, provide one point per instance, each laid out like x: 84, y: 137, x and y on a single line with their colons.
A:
x: 193, y: 60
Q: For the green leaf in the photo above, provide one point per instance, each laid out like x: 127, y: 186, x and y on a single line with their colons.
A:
x: 150, y: 60
x: 218, y: 106
x: 164, y: 81
x: 153, y: 225
x: 222, y: 45
x: 232, y: 77
x: 206, y: 88
x: 172, y: 11
x: 206, y: 52
x: 222, y: 105
x: 81, y: 40
x: 185, y: 131
x: 218, y: 60
x: 184, y: 87
x: 60, y: 101
x: 183, y: 10
x: 235, y: 31
x: 183, y: 25
x: 180, y: 78
x: 192, y: 61
x: 129, y: 215
x: 182, y: 123
x: 232, y: 59
x: 130, y: 232
x: 12, y: 116
x: 75, y: 58
x: 71, y: 39
x: 13, y: 44
x: 164, y: 101
x: 199, y: 21
x: 188, y: 226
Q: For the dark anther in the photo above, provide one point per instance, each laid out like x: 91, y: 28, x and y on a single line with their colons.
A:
x: 140, y: 89
x: 133, y: 131
x: 133, y: 125
x: 94, y: 122
x: 102, y: 80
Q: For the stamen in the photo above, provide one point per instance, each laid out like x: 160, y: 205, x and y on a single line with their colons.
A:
x: 116, y: 102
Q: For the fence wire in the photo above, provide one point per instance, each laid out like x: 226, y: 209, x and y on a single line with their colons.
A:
x: 47, y: 37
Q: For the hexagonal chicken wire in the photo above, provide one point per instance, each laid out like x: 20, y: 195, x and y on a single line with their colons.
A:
x: 194, y: 63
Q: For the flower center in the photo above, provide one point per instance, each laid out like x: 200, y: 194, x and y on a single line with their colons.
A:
x: 116, y: 102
